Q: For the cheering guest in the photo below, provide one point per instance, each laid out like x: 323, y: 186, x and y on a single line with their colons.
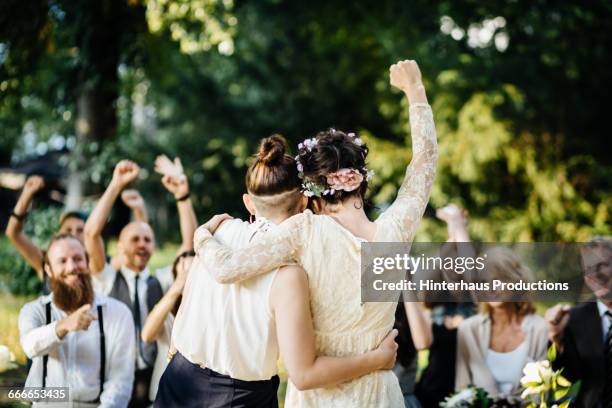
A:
x: 132, y: 283
x: 494, y: 345
x: 583, y: 334
x: 72, y: 222
x: 158, y: 326
x: 448, y: 310
x: 76, y: 337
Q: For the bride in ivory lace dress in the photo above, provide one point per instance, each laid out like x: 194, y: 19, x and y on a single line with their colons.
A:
x: 327, y: 245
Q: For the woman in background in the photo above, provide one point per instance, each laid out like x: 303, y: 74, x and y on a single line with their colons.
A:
x: 494, y: 345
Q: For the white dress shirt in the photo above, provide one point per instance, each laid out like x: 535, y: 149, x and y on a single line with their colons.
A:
x: 103, y: 282
x: 74, y: 361
x: 605, y: 320
x: 229, y: 328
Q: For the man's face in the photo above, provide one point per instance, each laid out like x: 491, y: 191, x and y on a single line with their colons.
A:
x: 73, y: 226
x: 137, y: 243
x: 68, y: 273
x: 67, y: 261
x: 597, y: 266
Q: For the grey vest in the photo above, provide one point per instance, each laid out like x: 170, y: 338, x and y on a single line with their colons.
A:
x: 120, y: 291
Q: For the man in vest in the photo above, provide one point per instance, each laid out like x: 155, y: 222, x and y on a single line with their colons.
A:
x: 132, y: 283
x: 76, y: 337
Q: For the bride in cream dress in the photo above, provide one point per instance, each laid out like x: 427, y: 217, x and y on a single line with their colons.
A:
x: 327, y: 245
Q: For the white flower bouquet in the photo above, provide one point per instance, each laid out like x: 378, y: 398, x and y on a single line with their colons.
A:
x: 545, y: 388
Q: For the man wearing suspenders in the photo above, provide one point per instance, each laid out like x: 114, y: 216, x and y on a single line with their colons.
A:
x: 132, y: 284
x: 76, y: 337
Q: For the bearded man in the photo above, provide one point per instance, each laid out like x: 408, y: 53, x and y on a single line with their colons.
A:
x: 76, y: 337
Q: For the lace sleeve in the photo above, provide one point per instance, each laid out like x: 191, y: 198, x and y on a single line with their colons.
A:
x: 279, y: 246
x: 413, y: 195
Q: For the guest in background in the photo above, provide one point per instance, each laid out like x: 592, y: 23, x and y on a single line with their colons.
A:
x: 133, y: 284
x: 77, y: 337
x: 414, y: 330
x: 72, y: 222
x: 447, y: 311
x: 494, y: 345
x: 158, y: 326
x: 583, y: 333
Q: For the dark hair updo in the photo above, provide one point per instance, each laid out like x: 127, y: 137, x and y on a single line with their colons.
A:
x: 273, y: 171
x: 333, y: 150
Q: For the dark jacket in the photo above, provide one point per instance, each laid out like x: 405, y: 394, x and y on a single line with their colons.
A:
x: 583, y: 354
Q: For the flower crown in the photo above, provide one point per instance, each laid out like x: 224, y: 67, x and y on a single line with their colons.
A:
x: 346, y: 179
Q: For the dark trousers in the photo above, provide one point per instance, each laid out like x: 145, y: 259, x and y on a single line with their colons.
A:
x: 185, y: 384
x: 140, y: 392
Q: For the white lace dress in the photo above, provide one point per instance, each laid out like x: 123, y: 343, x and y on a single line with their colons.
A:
x: 330, y: 255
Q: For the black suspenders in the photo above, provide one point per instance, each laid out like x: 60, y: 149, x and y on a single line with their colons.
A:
x: 102, y: 349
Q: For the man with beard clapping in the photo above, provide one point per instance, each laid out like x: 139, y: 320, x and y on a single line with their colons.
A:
x: 76, y: 337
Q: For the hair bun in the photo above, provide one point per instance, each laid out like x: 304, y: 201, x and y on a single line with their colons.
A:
x: 272, y: 149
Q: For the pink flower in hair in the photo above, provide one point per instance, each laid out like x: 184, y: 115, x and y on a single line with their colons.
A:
x: 345, y: 179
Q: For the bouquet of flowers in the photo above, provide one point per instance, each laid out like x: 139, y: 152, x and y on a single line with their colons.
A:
x: 547, y: 388
x: 475, y: 397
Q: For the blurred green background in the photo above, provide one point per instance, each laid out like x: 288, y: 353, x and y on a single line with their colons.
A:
x: 519, y: 91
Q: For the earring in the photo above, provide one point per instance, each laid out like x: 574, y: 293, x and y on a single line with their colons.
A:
x: 251, y: 218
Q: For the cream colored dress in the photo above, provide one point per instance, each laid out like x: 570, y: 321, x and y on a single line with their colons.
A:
x: 330, y: 255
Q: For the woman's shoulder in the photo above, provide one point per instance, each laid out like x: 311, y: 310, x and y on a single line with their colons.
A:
x: 535, y: 322
x: 472, y: 322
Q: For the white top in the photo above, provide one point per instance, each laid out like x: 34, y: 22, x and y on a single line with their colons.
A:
x: 74, y: 361
x: 229, y: 328
x: 507, y: 367
x: 331, y: 257
x: 103, y: 283
x: 606, y: 322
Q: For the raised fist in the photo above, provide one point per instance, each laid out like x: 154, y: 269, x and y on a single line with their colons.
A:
x: 406, y: 76
x: 33, y: 185
x: 125, y: 172
x: 132, y: 199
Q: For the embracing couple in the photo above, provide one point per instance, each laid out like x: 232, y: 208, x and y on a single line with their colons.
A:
x: 289, y: 283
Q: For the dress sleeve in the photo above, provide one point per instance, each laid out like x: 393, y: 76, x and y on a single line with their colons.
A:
x: 279, y: 246
x: 407, y: 210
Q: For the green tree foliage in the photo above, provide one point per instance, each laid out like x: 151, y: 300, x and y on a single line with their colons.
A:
x: 520, y: 107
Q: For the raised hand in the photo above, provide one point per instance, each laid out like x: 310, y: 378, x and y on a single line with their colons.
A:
x: 387, y: 350
x: 176, y: 185
x: 125, y: 172
x: 33, y: 185
x: 406, y: 76
x: 132, y: 199
x: 452, y: 214
x: 165, y: 167
x: 80, y: 319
